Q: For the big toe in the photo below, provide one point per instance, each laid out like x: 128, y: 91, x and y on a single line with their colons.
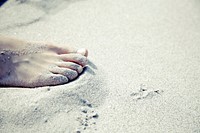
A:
x: 74, y: 57
x: 83, y: 52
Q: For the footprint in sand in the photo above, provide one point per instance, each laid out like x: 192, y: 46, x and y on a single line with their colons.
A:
x: 88, y: 117
x: 145, y: 93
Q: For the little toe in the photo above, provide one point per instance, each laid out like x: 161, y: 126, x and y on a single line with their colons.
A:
x: 76, y: 58
x: 51, y: 79
x: 69, y: 73
x: 70, y: 65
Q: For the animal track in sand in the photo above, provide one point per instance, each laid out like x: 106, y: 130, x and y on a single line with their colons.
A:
x: 145, y: 93
x: 87, y: 118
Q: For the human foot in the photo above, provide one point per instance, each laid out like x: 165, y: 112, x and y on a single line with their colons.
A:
x: 31, y: 64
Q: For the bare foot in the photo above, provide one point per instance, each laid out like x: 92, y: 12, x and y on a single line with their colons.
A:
x: 33, y: 64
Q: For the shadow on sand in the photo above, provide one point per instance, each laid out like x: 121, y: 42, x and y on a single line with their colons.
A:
x: 2, y: 2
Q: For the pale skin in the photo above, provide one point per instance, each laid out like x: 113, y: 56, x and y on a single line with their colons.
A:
x: 37, y: 64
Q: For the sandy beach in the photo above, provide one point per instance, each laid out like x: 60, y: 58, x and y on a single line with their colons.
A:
x: 143, y: 74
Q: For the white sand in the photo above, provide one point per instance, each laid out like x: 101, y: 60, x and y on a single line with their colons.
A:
x: 152, y: 46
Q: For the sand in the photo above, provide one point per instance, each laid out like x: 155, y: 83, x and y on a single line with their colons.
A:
x: 144, y: 74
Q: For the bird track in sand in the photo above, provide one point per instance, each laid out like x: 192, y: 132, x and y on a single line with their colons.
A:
x: 145, y: 93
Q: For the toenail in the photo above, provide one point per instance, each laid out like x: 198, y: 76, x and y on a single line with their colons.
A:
x: 60, y: 79
x: 77, y: 68
x: 82, y: 51
x: 71, y: 75
x: 2, y: 53
x: 83, y: 59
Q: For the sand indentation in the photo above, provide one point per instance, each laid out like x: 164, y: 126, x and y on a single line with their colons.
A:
x: 145, y: 93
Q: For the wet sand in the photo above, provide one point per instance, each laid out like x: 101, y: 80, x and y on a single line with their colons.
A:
x: 143, y: 74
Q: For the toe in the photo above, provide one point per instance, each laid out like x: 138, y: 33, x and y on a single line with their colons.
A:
x: 69, y: 73
x: 67, y: 50
x: 76, y: 58
x: 62, y: 50
x: 70, y: 65
x: 51, y: 79
x: 83, y: 52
